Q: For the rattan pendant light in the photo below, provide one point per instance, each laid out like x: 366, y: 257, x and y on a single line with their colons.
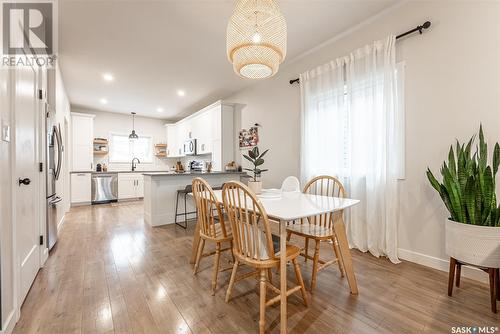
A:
x: 256, y: 38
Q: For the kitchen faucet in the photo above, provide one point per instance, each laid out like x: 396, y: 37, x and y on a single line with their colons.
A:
x: 133, y: 165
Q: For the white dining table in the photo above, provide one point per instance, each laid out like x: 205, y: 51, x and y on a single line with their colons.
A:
x: 292, y: 206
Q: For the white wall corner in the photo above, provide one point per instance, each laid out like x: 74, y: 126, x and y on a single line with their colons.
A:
x: 10, y: 322
x: 440, y: 264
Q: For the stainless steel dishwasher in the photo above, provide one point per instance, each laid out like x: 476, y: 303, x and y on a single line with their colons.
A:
x: 104, y: 188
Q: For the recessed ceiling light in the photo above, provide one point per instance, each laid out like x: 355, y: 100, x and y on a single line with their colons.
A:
x: 159, y: 109
x: 103, y: 101
x: 108, y: 77
x: 181, y: 93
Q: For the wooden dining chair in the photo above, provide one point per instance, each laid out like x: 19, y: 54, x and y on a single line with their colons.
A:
x: 211, y: 224
x: 253, y: 245
x: 320, y: 228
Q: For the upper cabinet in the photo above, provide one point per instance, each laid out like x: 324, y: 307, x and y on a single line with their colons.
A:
x: 212, y: 127
x: 82, y: 136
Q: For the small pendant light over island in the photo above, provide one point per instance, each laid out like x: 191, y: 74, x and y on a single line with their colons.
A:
x: 133, y: 135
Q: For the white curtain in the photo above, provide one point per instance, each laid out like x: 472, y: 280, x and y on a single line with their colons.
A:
x: 352, y: 129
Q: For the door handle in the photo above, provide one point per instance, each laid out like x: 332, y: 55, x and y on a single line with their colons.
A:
x: 25, y: 181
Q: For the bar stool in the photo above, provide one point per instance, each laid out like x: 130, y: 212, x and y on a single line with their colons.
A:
x: 187, y: 190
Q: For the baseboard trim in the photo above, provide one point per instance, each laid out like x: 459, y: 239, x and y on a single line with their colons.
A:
x: 10, y: 322
x: 440, y: 264
x: 61, y: 223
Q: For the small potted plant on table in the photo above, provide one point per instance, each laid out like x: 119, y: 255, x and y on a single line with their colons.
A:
x: 473, y: 229
x: 255, y: 158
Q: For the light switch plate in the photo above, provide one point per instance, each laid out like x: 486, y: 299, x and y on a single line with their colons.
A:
x: 5, y: 128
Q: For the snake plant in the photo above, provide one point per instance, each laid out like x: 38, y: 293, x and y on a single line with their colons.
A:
x: 468, y: 186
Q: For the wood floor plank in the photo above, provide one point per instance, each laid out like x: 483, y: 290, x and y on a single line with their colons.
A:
x: 112, y: 273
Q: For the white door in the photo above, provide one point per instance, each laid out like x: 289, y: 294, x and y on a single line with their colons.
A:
x: 26, y: 209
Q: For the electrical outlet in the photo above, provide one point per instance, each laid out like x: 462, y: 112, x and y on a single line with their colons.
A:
x: 5, y: 128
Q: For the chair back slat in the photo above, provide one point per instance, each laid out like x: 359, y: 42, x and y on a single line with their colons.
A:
x: 252, y: 240
x: 210, y: 217
x: 325, y: 185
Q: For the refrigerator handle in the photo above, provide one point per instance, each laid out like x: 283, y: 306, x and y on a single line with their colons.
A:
x: 57, y: 136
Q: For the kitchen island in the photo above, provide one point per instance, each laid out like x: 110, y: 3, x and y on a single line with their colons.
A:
x: 160, y: 193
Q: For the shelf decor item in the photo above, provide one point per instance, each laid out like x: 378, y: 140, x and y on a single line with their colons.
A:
x: 256, y: 38
x: 468, y: 191
x: 249, y: 138
x: 255, y: 157
x: 100, y: 146
x: 160, y: 150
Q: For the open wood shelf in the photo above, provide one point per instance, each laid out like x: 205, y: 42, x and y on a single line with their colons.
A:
x: 100, y: 152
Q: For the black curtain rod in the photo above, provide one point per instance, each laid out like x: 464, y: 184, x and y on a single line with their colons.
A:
x: 426, y: 25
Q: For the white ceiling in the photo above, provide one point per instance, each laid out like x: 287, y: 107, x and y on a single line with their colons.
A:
x: 155, y: 48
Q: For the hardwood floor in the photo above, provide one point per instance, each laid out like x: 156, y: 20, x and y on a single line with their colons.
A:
x: 112, y: 273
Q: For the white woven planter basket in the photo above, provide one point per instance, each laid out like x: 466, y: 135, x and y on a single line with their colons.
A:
x: 477, y: 245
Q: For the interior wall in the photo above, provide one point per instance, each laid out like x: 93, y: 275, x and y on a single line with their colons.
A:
x: 107, y: 122
x: 451, y: 86
x: 62, y: 108
x: 6, y: 255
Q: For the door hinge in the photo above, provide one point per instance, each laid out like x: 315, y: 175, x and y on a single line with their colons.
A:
x: 40, y: 166
x: 40, y: 94
x: 41, y: 240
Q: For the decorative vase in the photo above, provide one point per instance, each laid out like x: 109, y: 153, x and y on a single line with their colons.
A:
x: 255, y: 186
x: 473, y: 244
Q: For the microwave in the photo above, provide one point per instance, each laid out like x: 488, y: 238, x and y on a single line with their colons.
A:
x: 190, y: 147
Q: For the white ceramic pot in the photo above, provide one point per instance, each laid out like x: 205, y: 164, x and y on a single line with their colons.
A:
x: 477, y: 245
x: 255, y: 186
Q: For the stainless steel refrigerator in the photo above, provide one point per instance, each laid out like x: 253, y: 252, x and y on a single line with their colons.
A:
x: 53, y: 171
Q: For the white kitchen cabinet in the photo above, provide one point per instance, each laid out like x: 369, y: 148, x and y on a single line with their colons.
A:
x: 139, y: 191
x: 204, y: 132
x: 175, y: 140
x: 183, y: 130
x: 171, y: 137
x: 130, y: 186
x: 223, y: 137
x: 80, y: 188
x: 82, y: 136
x: 213, y: 129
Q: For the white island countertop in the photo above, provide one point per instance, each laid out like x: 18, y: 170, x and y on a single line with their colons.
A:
x: 202, y: 174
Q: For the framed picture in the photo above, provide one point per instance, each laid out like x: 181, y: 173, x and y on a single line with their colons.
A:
x: 249, y: 138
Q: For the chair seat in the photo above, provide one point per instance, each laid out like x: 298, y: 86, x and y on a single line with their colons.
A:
x: 311, y: 231
x: 292, y: 252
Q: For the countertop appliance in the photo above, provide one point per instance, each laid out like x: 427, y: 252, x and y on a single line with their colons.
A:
x: 54, y: 150
x: 104, y: 188
x: 190, y: 147
x: 197, y: 166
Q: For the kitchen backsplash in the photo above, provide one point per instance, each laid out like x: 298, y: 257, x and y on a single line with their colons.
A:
x: 157, y: 164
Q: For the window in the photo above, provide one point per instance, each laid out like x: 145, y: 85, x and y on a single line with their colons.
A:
x: 343, y: 107
x: 122, y: 149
